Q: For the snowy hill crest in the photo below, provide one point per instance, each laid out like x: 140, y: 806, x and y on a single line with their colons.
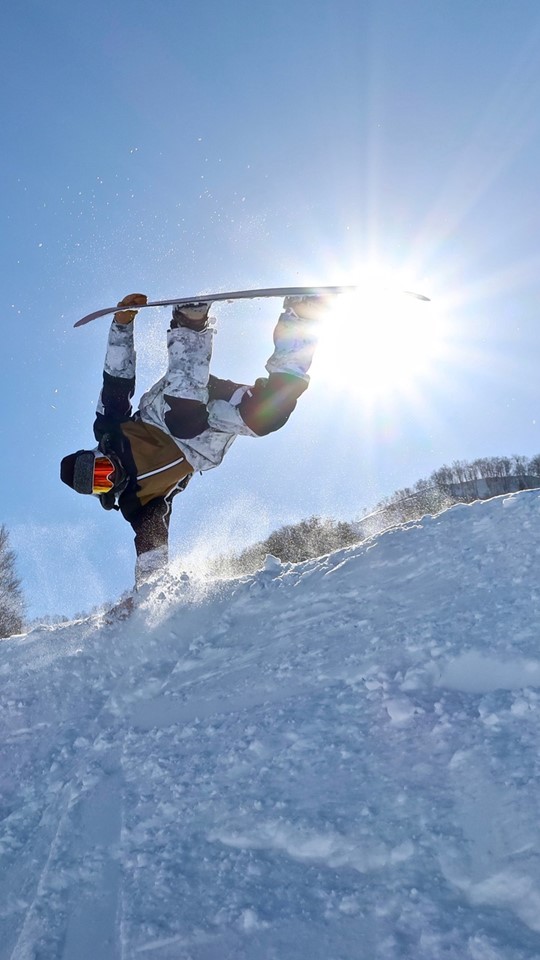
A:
x: 332, y: 759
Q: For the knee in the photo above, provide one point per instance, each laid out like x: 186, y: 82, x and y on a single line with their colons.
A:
x: 185, y: 418
x: 267, y: 406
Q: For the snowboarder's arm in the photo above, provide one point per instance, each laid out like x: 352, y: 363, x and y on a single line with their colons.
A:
x: 151, y: 526
x: 119, y: 369
x: 118, y: 374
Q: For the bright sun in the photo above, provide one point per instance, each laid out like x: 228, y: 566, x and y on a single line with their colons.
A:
x: 378, y: 343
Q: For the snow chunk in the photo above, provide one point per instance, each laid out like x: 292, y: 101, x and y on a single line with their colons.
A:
x: 249, y: 921
x: 401, y: 709
x: 329, y: 847
x: 472, y: 672
x: 511, y: 890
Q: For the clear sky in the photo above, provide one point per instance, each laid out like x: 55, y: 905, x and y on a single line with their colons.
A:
x: 175, y: 148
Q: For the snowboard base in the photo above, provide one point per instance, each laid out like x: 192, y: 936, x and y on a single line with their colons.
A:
x: 240, y: 295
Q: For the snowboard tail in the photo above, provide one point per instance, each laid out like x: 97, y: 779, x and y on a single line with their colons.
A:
x: 239, y: 295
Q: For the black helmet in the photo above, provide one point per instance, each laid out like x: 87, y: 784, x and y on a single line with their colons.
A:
x: 77, y: 470
x: 95, y: 473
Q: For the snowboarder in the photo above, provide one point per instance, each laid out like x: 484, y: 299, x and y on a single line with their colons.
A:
x: 187, y: 421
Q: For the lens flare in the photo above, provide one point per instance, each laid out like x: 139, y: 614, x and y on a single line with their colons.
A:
x: 379, y: 342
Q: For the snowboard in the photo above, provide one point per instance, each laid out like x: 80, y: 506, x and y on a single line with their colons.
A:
x: 239, y: 295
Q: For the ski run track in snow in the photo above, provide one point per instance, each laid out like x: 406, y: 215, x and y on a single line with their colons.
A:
x: 333, y: 760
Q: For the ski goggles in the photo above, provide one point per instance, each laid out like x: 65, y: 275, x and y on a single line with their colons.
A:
x: 93, y: 473
x: 103, y: 479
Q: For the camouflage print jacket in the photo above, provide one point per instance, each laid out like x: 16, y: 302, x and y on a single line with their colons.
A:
x: 156, y: 467
x: 170, y: 437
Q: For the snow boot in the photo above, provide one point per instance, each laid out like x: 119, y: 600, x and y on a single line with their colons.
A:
x: 308, y: 307
x: 296, y: 334
x: 194, y: 316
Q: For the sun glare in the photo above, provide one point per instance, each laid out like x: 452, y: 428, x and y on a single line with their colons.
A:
x: 378, y: 343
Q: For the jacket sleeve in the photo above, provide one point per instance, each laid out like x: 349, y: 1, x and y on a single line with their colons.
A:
x: 151, y: 526
x: 114, y: 403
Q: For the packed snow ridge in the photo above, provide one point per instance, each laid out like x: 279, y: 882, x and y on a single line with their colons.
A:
x: 334, y: 760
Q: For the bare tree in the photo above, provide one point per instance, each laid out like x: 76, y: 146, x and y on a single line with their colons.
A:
x: 520, y: 465
x: 533, y: 467
x: 11, y: 599
x: 292, y: 544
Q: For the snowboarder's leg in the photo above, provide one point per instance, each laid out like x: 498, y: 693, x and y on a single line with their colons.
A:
x: 296, y: 334
x: 189, y: 342
x: 179, y: 399
x: 269, y: 404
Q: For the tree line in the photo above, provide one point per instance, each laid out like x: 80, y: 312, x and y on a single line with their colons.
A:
x: 455, y: 483
x: 461, y: 482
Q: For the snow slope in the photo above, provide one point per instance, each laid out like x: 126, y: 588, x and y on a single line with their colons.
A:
x: 332, y: 760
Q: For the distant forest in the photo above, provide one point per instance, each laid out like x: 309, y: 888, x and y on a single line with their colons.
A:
x: 461, y: 482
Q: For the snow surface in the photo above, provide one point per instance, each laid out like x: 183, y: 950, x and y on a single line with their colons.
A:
x: 332, y: 760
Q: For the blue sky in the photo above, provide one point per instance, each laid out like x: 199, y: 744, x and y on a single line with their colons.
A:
x: 174, y: 148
